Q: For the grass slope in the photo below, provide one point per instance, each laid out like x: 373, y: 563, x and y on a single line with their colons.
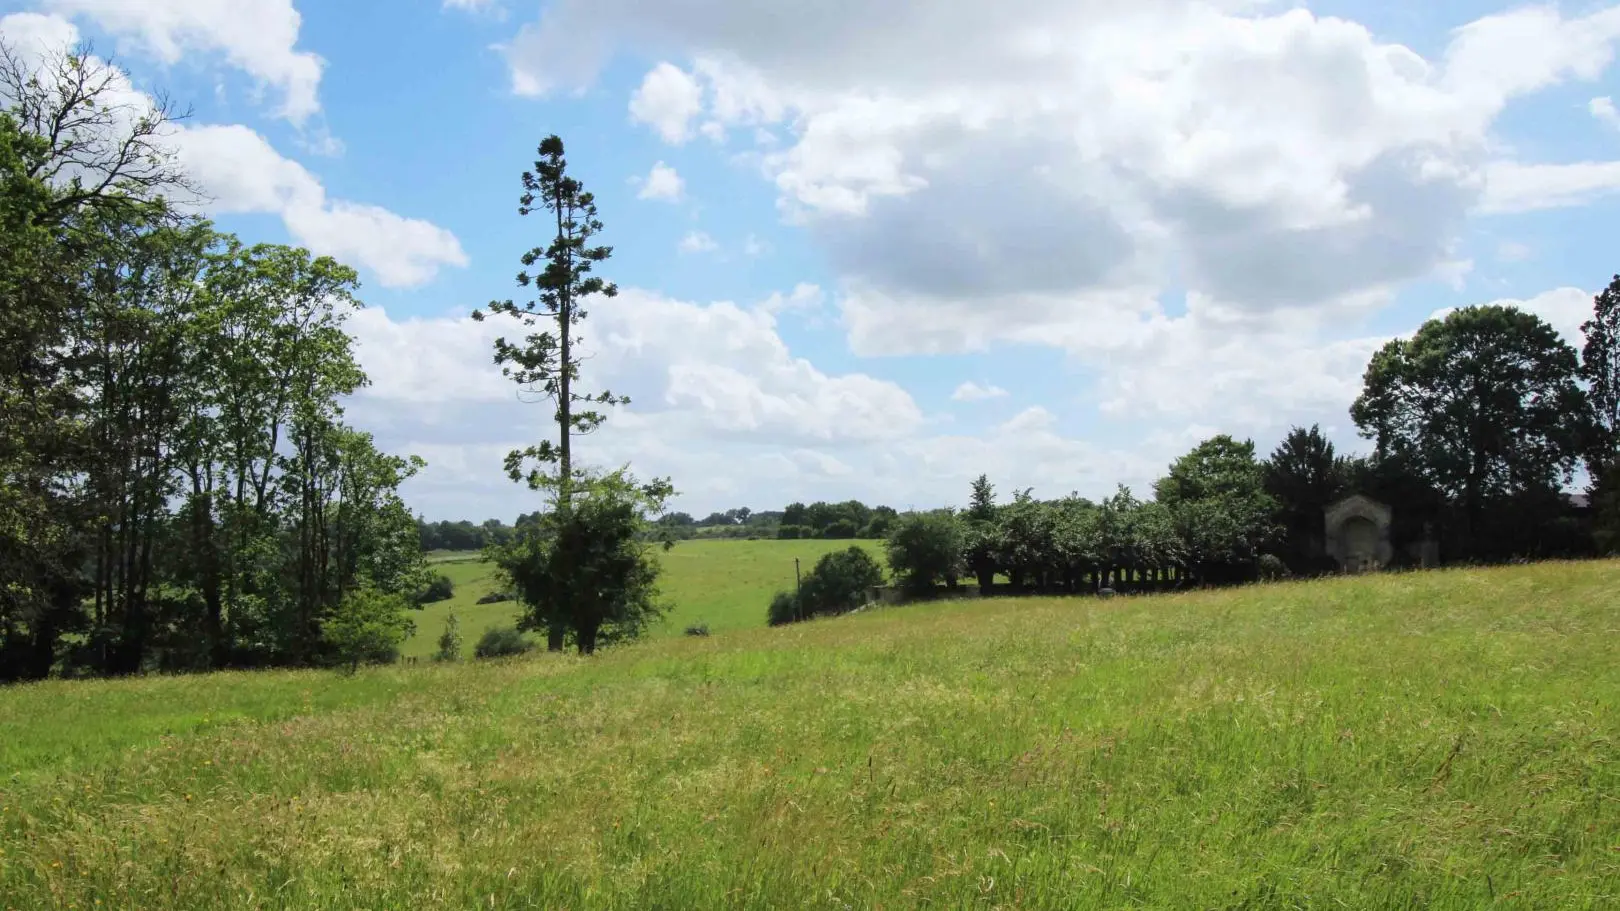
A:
x: 726, y: 584
x: 1440, y: 740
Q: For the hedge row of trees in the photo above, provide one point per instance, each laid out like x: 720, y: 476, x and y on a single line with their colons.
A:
x: 1478, y: 422
x: 178, y: 488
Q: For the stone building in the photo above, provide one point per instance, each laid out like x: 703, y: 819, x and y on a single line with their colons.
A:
x: 1356, y: 533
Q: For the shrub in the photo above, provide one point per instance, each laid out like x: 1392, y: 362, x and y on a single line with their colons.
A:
x: 496, y: 598
x: 785, y: 608
x: 838, y: 584
x: 367, y: 627
x: 792, y: 532
x: 698, y: 629
x: 440, y: 589
x: 926, y: 548
x: 450, y: 640
x: 502, y: 642
x: 1271, y: 568
x: 840, y: 530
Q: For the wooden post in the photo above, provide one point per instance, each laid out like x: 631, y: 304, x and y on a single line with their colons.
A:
x: 797, y: 585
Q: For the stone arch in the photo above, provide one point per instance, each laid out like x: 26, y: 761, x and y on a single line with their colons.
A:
x: 1357, y: 534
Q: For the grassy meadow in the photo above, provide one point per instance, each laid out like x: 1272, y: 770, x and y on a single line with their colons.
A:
x: 725, y: 584
x: 1436, y: 740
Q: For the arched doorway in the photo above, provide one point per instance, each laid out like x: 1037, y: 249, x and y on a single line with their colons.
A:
x: 1360, y: 536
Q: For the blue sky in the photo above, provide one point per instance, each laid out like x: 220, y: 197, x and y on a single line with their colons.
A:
x: 874, y: 255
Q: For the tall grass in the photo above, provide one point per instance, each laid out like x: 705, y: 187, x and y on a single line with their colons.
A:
x: 1440, y: 740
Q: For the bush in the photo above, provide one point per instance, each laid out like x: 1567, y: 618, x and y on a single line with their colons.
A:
x: 793, y: 532
x: 840, y: 530
x: 450, y: 640
x: 496, y: 598
x: 1272, y: 568
x: 784, y: 609
x: 698, y: 629
x: 926, y: 548
x: 502, y: 642
x: 440, y: 589
x: 839, y: 583
x: 367, y: 627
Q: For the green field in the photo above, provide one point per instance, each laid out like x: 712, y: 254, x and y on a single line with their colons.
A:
x: 724, y: 584
x: 1437, y: 740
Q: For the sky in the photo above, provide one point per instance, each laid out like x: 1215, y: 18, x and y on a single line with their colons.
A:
x: 871, y: 250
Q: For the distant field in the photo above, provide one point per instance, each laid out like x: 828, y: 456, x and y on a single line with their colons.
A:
x: 725, y: 584
x: 1445, y: 740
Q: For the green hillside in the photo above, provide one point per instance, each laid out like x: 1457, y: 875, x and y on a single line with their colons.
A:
x: 724, y: 584
x: 1441, y: 740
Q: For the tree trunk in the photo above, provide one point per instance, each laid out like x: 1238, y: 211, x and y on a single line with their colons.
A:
x: 554, y: 637
x: 587, y: 638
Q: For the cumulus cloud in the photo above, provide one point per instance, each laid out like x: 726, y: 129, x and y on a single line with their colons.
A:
x: 973, y: 392
x: 661, y: 183
x: 259, y: 37
x: 238, y: 171
x: 667, y: 100
x: 1020, y: 172
x: 698, y: 242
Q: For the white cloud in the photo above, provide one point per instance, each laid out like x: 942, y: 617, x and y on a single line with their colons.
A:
x: 711, y: 385
x: 662, y: 183
x: 1604, y: 111
x: 753, y: 246
x: 804, y: 296
x: 1512, y: 188
x: 473, y: 6
x: 973, y: 392
x: 242, y: 173
x: 698, y: 242
x: 259, y: 37
x: 667, y: 101
x: 238, y: 171
x: 1511, y: 251
x: 1041, y: 172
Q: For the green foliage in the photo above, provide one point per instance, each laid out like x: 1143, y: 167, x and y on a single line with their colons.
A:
x: 587, y: 570
x: 1482, y: 404
x: 449, y: 640
x: 1272, y: 568
x: 1600, y: 367
x: 1304, y: 476
x: 925, y: 548
x: 367, y: 627
x: 545, y: 360
x: 1216, y: 495
x: 794, y: 532
x: 177, y: 488
x: 840, y: 530
x: 502, y: 642
x: 982, y: 503
x: 839, y: 582
x: 439, y: 589
x: 785, y: 608
x: 497, y: 597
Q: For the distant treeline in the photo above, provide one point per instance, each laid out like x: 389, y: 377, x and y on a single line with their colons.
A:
x: 848, y: 520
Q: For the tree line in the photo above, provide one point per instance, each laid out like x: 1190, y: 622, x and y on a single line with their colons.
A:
x: 1478, y: 421
x: 178, y: 488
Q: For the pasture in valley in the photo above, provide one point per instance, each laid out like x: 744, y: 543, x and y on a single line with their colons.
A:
x: 1437, y: 740
x: 724, y: 584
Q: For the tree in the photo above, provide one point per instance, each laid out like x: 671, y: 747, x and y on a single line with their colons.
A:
x: 1600, y: 367
x: 449, y: 640
x: 368, y: 626
x: 589, y: 569
x: 548, y: 360
x: 1217, y: 495
x: 837, y: 584
x: 925, y: 548
x: 1304, y: 476
x: 982, y: 504
x: 1483, y: 404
